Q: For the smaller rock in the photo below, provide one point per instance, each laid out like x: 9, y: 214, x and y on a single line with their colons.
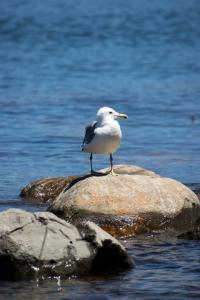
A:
x: 39, y: 245
x: 111, y: 255
x: 46, y: 189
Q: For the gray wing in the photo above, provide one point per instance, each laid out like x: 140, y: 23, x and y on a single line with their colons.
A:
x: 89, y: 132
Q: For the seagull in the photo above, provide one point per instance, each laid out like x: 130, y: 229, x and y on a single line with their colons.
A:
x: 103, y: 136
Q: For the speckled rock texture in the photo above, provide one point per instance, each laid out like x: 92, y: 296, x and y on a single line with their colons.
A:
x: 134, y: 201
x: 46, y: 189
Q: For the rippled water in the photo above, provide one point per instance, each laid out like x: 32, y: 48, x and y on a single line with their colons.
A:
x: 166, y: 268
x: 62, y: 60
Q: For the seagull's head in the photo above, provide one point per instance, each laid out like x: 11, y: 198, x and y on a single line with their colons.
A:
x: 109, y: 113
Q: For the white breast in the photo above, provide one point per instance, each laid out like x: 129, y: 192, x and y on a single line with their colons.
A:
x: 107, y: 139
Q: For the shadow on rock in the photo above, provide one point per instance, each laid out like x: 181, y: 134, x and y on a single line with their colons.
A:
x: 193, y: 234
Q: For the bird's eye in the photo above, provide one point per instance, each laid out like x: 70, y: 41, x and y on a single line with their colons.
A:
x: 110, y: 112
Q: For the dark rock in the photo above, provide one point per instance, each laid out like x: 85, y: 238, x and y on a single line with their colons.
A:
x: 193, y: 234
x: 39, y: 245
x: 47, y: 189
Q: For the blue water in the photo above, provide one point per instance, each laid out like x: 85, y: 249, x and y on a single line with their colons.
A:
x: 62, y: 60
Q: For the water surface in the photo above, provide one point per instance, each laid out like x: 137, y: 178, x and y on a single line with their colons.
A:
x: 62, y: 60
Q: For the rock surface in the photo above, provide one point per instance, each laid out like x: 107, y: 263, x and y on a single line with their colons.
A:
x: 130, y: 203
x: 38, y: 245
x: 193, y: 234
x: 47, y: 189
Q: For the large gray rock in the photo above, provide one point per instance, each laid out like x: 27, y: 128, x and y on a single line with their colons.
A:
x: 34, y: 245
x: 129, y: 203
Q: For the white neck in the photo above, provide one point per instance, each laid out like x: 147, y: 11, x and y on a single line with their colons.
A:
x: 105, y: 120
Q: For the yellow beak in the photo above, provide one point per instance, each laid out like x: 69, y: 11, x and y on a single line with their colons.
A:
x: 123, y: 116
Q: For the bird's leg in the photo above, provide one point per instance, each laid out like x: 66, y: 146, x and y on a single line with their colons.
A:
x: 111, y: 165
x: 92, y: 171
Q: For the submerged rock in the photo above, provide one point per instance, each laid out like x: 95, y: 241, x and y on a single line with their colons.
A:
x: 130, y: 203
x: 39, y: 245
